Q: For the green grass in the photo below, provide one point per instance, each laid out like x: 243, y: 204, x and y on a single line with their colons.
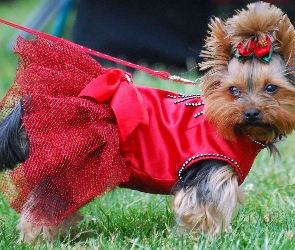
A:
x: 126, y: 219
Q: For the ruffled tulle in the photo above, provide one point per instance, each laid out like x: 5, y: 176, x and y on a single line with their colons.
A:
x: 74, y: 142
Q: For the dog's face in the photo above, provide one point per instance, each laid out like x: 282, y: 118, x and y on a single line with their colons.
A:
x: 248, y: 96
x: 254, y: 99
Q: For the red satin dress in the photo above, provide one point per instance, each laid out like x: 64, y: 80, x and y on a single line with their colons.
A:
x: 178, y: 135
x: 92, y: 130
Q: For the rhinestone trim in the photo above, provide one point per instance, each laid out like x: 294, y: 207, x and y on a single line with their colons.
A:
x: 184, y: 165
x: 196, y: 104
x: 259, y: 143
x: 184, y: 97
x: 180, y: 95
x: 198, y: 114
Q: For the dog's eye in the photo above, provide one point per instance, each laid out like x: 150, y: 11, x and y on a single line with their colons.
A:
x: 234, y: 91
x: 271, y: 89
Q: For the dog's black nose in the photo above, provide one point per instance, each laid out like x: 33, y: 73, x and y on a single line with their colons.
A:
x: 252, y: 116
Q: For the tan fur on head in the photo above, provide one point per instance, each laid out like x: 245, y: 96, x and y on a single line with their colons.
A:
x: 217, y: 46
x: 217, y: 212
x: 226, y: 112
x: 285, y: 36
x: 250, y: 76
x: 216, y: 55
x: 257, y: 20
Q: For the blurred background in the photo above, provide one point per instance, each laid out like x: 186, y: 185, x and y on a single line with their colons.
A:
x: 159, y: 34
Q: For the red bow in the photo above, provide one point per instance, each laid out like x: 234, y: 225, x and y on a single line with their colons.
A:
x: 259, y: 48
x: 127, y: 103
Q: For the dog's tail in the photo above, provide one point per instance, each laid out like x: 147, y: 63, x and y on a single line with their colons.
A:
x: 14, y: 142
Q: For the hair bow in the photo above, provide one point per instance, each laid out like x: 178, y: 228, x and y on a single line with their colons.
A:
x: 261, y: 49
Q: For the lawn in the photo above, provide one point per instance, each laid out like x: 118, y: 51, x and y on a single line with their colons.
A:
x: 126, y: 219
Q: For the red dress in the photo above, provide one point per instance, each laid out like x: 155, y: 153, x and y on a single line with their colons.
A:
x: 177, y: 136
x: 92, y: 130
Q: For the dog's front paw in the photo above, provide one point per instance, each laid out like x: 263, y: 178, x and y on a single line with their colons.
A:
x: 209, y: 205
x: 191, y: 216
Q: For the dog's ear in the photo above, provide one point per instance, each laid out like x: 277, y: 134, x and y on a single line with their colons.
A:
x: 217, y: 47
x: 216, y: 55
x: 285, y: 36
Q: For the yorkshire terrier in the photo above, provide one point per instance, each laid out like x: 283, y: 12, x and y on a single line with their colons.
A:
x: 248, y: 103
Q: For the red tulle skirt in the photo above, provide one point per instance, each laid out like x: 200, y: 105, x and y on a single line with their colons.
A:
x: 74, y: 142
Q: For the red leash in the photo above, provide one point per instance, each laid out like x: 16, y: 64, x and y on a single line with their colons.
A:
x: 160, y: 74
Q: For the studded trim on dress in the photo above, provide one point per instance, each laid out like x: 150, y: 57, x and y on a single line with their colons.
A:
x: 181, y: 98
x: 184, y: 97
x: 184, y: 165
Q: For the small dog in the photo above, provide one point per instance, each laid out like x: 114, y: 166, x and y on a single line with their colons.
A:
x: 248, y: 101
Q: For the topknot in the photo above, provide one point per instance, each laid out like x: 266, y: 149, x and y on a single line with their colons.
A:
x: 255, y: 22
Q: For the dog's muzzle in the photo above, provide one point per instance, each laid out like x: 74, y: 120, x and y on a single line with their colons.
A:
x: 252, y: 116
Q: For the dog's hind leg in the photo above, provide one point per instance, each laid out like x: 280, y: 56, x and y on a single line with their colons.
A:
x: 14, y: 142
x: 30, y: 232
x: 206, y: 198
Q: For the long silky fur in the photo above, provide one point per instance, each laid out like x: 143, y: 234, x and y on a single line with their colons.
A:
x: 216, y: 54
x: 14, y: 143
x: 257, y: 20
x: 206, y: 197
x: 285, y: 36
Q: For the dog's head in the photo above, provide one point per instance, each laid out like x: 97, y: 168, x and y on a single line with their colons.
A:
x: 249, y: 87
